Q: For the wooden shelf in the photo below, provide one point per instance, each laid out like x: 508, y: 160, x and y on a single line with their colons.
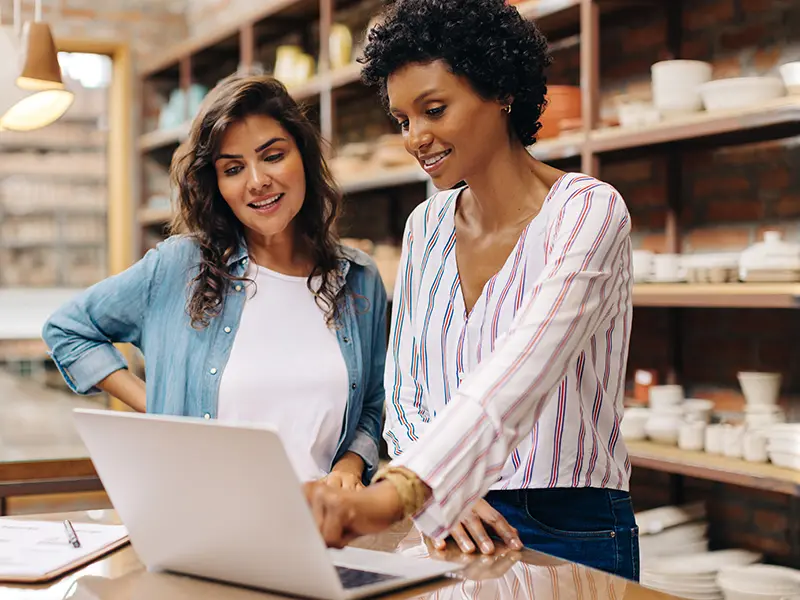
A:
x: 722, y: 295
x: 345, y: 75
x: 384, y: 179
x: 555, y: 17
x: 313, y: 87
x: 162, y: 138
x: 783, y: 113
x: 565, y: 146
x: 154, y: 216
x: 778, y: 113
x: 713, y: 467
x: 50, y: 243
x: 552, y: 17
x: 263, y: 10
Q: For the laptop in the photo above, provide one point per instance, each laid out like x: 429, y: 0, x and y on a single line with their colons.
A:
x: 222, y: 502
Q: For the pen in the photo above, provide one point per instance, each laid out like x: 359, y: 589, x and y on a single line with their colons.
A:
x: 71, y: 535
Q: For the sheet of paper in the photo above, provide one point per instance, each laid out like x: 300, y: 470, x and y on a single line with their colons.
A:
x: 34, y: 548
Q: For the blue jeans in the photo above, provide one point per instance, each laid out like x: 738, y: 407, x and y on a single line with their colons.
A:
x: 590, y: 526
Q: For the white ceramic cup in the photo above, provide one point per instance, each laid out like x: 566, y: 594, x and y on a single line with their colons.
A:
x: 667, y: 267
x: 665, y: 396
x: 715, y: 439
x: 733, y: 441
x: 754, y: 445
x: 691, y: 436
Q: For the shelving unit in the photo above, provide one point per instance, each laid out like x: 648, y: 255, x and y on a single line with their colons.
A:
x: 53, y: 199
x: 714, y: 467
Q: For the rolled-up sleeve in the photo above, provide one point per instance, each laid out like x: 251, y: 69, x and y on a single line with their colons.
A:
x: 81, y: 334
x: 464, y: 449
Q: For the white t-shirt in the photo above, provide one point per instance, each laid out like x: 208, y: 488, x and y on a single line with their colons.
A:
x: 286, y: 370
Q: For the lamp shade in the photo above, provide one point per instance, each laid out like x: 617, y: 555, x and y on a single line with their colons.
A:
x: 40, y: 68
x: 33, y: 110
x: 24, y: 110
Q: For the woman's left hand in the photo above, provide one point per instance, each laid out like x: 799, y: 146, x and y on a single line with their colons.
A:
x: 346, y: 473
x: 344, y: 480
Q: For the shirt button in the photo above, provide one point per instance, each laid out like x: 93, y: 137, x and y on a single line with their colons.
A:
x: 227, y: 330
x: 213, y: 370
x: 207, y: 416
x: 346, y: 340
x: 354, y: 386
x: 244, y: 261
x: 238, y: 288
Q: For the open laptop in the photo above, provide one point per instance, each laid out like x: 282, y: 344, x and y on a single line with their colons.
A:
x: 223, y: 502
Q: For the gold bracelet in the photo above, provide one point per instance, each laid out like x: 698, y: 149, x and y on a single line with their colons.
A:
x: 408, y: 485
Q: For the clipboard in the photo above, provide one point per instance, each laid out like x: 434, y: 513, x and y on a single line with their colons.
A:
x: 39, y: 551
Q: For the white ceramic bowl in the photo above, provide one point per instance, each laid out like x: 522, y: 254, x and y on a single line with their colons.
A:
x: 740, y: 92
x: 676, y: 85
x: 665, y: 396
x: 642, y: 261
x: 698, y: 409
x: 760, y: 388
x: 759, y: 581
x: 790, y: 72
x: 663, y: 429
x: 633, y: 422
x: 783, y: 459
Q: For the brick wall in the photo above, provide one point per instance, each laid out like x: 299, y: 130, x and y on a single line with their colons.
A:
x: 145, y: 24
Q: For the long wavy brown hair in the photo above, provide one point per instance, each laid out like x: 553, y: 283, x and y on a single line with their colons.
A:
x: 203, y: 213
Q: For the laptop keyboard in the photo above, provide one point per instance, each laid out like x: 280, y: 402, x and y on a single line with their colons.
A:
x: 354, y: 578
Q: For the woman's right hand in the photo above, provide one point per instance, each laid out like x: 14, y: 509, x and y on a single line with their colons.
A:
x: 343, y: 515
x: 127, y: 387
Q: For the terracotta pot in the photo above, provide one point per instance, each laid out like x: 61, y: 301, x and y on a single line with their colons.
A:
x: 563, y: 103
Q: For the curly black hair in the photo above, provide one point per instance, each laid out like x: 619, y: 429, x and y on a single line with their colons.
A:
x: 500, y: 53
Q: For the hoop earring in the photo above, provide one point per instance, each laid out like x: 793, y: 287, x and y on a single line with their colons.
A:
x: 507, y: 109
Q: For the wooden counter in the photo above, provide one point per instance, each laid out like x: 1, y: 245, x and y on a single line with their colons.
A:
x: 506, y: 575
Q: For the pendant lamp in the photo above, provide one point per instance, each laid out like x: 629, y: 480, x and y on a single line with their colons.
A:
x: 40, y: 68
x: 46, y: 100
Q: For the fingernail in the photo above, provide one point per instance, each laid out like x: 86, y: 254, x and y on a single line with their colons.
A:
x: 468, y: 547
x: 486, y: 547
x: 516, y: 544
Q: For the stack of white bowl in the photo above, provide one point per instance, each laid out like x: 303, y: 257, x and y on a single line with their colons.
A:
x: 672, y: 531
x: 689, y: 538
x: 758, y: 582
x: 666, y: 414
x: 761, y: 392
x: 694, y: 576
x: 783, y: 445
x: 676, y: 86
x: 633, y: 423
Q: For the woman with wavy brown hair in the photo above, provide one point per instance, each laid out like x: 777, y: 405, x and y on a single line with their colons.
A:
x: 252, y: 311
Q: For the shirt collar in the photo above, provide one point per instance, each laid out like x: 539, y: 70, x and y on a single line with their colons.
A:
x: 347, y: 256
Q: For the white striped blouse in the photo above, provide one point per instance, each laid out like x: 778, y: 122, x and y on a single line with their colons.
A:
x: 525, y: 391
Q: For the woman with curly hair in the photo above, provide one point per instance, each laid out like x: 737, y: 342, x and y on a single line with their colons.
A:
x: 254, y: 312
x: 512, y: 311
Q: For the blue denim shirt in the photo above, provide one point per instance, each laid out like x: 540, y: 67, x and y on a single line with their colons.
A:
x: 145, y: 305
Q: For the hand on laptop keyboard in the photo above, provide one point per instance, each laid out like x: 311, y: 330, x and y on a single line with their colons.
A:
x: 342, y: 515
